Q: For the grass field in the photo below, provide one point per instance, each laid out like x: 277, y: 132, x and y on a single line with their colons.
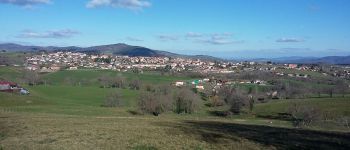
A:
x: 62, y: 116
x: 339, y: 106
x: 91, y: 76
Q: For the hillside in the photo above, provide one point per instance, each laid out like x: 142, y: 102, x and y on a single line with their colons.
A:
x: 115, y: 49
x: 64, y: 115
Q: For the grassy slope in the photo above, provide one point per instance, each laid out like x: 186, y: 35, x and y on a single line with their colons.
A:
x: 60, y: 116
x: 91, y: 76
x: 339, y: 106
x: 11, y: 73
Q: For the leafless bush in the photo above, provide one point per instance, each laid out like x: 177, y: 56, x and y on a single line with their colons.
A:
x: 185, y: 101
x: 304, y: 115
x: 154, y: 103
x: 341, y: 87
x: 113, y: 99
x: 31, y: 77
x: 135, y: 84
x: 119, y: 82
x: 149, y: 88
x: 216, y: 101
x: 235, y: 97
x: 344, y: 121
x: 105, y: 81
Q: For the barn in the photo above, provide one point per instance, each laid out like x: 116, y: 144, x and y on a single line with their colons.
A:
x: 6, y: 86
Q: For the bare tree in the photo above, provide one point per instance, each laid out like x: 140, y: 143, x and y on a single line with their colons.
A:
x: 149, y: 88
x: 330, y: 90
x: 235, y: 97
x: 119, y: 82
x: 251, y: 103
x: 105, y: 81
x: 344, y: 121
x: 165, y: 89
x: 135, y: 84
x: 113, y: 99
x: 154, y: 103
x: 216, y: 101
x: 31, y: 77
x: 185, y: 101
x: 341, y: 87
x: 303, y: 115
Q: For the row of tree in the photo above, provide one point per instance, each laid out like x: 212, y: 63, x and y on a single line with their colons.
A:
x: 159, y: 99
x: 119, y: 82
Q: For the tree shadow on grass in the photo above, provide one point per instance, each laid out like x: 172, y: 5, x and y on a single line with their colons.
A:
x: 279, y: 116
x: 218, y: 113
x: 281, y: 138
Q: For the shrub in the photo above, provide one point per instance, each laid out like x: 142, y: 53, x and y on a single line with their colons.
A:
x: 234, y: 97
x: 153, y: 103
x: 344, y: 121
x: 185, y: 101
x: 216, y: 101
x: 113, y: 100
x: 304, y: 115
x: 119, y: 82
x: 135, y: 84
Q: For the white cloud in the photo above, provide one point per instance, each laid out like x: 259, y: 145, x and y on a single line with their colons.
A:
x: 66, y: 33
x: 128, y: 4
x: 220, y: 41
x: 194, y: 35
x: 134, y: 39
x: 26, y: 3
x: 168, y: 37
x: 289, y: 40
x: 214, y: 38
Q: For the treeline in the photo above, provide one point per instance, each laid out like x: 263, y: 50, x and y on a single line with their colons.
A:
x: 293, y: 87
x: 157, y: 99
x: 119, y: 82
x: 164, y: 98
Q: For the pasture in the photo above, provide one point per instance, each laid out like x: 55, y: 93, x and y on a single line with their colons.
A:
x: 59, y: 115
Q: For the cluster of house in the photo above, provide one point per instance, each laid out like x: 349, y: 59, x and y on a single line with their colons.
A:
x: 51, y: 62
x: 69, y: 60
x: 216, y: 83
x: 341, y: 73
x: 198, y: 84
x: 298, y: 75
x: 12, y: 87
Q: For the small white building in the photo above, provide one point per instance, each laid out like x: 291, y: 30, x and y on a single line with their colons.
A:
x: 201, y: 87
x: 179, y: 83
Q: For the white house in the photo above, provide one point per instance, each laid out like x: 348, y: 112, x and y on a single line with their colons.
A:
x: 179, y: 83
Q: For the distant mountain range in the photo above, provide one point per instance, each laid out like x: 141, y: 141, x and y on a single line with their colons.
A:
x: 116, y: 49
x: 338, y: 60
x: 129, y: 50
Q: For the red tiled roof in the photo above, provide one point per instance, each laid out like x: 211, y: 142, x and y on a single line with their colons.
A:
x: 6, y: 82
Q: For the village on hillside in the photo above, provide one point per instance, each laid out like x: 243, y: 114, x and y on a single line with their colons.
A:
x: 53, y: 62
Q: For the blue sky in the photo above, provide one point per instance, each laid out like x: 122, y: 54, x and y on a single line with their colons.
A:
x: 223, y: 28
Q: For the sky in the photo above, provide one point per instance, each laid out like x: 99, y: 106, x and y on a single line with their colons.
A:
x: 221, y: 28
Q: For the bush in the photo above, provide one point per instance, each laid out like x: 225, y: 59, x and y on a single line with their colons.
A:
x: 135, y: 84
x: 156, y: 100
x: 185, y: 101
x: 119, y: 82
x: 236, y: 98
x: 304, y: 115
x: 153, y: 103
x: 113, y: 100
x: 216, y: 101
x: 344, y: 121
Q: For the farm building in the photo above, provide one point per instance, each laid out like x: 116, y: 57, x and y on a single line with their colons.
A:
x: 6, y: 86
x: 179, y: 83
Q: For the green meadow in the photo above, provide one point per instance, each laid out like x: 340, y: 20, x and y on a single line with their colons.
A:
x: 61, y: 115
